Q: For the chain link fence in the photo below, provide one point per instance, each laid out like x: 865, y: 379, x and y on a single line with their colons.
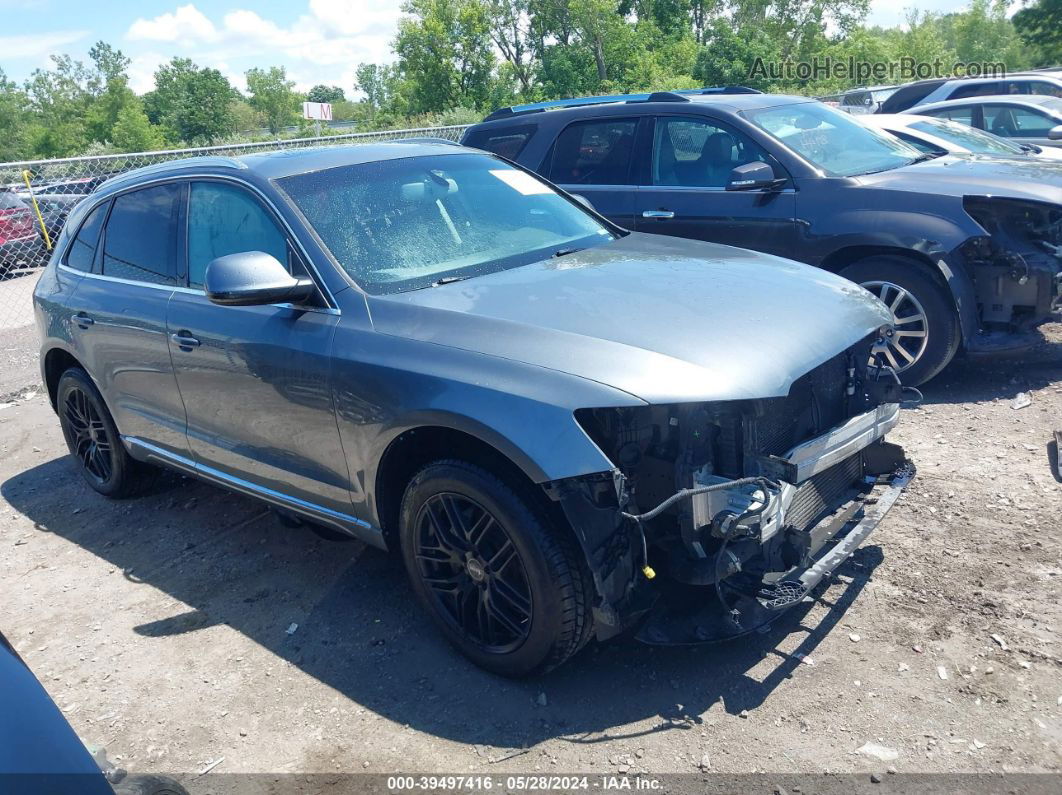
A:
x: 36, y: 197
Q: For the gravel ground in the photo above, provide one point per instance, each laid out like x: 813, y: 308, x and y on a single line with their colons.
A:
x: 18, y: 335
x: 189, y: 626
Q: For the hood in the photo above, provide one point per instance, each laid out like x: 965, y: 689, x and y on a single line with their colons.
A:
x: 661, y: 318
x: 1036, y: 179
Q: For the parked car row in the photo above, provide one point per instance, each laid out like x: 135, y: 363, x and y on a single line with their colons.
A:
x: 22, y: 244
x: 567, y: 429
x: 965, y: 251
x: 616, y: 405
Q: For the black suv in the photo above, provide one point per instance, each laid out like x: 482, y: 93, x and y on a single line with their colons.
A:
x: 966, y: 252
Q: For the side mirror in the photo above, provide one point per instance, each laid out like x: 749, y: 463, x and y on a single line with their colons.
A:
x: 584, y: 201
x: 1055, y: 133
x: 753, y: 176
x: 252, y: 278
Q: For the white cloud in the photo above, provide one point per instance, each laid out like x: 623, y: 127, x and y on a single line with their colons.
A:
x: 186, y: 24
x: 38, y: 44
x: 323, y: 45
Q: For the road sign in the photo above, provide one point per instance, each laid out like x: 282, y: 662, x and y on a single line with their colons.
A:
x: 318, y: 111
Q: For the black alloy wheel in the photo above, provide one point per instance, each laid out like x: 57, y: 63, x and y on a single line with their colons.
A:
x: 90, y: 442
x: 469, y: 563
x: 504, y: 580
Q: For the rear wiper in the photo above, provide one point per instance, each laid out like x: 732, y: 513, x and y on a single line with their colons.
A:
x: 563, y: 252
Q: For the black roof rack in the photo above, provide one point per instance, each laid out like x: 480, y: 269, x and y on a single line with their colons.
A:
x: 681, y: 95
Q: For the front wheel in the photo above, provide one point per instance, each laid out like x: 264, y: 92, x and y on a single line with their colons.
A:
x: 507, y: 588
x: 925, y: 334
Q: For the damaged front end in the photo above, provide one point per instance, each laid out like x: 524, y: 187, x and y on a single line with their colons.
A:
x: 1016, y: 266
x: 719, y: 515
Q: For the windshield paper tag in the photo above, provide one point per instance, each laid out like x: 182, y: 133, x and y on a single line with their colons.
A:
x: 520, y: 181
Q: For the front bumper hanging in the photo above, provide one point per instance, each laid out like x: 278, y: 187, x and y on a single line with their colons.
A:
x: 710, y: 622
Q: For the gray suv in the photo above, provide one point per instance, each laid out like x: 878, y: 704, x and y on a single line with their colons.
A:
x: 426, y: 348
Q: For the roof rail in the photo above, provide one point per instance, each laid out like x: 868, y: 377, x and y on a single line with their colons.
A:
x: 656, y: 96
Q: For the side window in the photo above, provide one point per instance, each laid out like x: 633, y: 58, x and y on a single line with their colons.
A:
x: 1032, y: 87
x: 508, y: 142
x: 225, y: 219
x: 594, y: 153
x: 1014, y: 122
x: 83, y: 247
x: 963, y: 115
x: 140, y: 238
x: 977, y: 90
x: 697, y: 153
x: 1044, y: 88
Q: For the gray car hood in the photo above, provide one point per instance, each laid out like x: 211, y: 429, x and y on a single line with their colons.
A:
x: 964, y: 175
x: 661, y: 318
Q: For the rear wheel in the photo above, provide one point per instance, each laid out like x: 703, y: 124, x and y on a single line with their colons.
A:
x: 925, y: 333
x: 508, y: 589
x: 93, y: 441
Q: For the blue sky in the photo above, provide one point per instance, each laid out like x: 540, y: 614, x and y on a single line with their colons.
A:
x: 318, y: 41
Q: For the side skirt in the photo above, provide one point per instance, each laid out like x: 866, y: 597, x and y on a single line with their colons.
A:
x: 345, y: 523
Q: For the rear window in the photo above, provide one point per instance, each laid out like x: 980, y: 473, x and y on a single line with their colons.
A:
x: 83, y: 248
x: 594, y: 153
x: 140, y: 240
x: 508, y: 142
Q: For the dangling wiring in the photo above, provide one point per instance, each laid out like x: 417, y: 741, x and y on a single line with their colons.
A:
x: 731, y: 529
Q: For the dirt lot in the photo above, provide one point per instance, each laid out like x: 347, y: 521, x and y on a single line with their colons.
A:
x: 18, y: 336
x: 160, y: 626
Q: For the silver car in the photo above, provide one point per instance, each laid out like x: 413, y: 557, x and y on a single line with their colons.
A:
x: 431, y: 350
x: 1024, y: 120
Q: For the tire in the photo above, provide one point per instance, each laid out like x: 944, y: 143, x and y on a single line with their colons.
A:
x: 905, y: 284
x: 513, y: 597
x: 93, y: 440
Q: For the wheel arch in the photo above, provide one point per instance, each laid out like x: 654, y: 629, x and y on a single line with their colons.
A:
x: 53, y: 364
x: 953, y: 279
x: 415, y: 447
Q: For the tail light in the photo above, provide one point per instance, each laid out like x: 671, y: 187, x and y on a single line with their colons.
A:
x: 15, y: 223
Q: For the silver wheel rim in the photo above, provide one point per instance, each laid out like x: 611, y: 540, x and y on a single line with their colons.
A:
x: 906, y: 343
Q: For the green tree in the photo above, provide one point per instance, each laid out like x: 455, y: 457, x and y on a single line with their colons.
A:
x: 273, y: 94
x: 1040, y: 24
x: 59, y: 100
x: 103, y: 113
x: 14, y: 117
x: 111, y: 64
x: 445, y: 54
x: 379, y: 83
x: 191, y: 104
x: 732, y: 57
x: 511, y: 33
x: 983, y: 34
x: 132, y: 132
x: 323, y: 93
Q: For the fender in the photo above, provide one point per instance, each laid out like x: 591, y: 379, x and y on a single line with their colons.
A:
x: 938, y: 252
x: 526, y: 413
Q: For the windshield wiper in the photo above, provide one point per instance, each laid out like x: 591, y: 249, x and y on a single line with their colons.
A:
x: 924, y: 157
x: 448, y: 280
x: 563, y: 252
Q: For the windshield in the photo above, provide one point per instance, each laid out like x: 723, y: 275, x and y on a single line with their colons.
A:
x: 832, y: 140
x: 967, y: 137
x: 408, y: 223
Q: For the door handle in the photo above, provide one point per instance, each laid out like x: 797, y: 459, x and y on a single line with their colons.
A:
x: 83, y: 320
x: 658, y: 214
x: 184, y: 340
